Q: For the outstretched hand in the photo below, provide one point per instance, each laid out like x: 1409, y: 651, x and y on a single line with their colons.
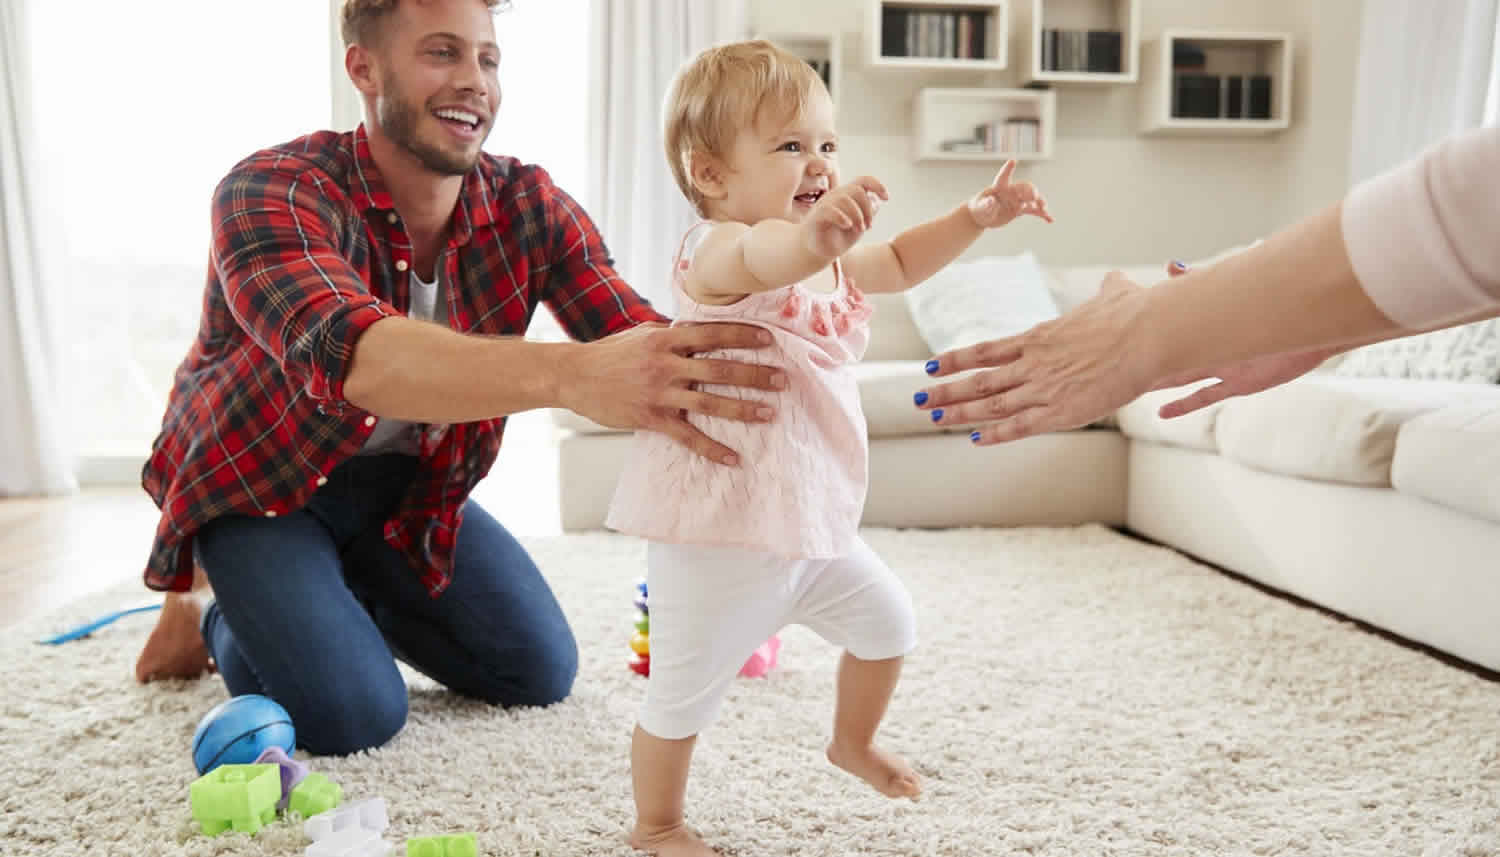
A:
x: 1004, y: 200
x: 647, y: 378
x: 1059, y: 375
x: 844, y: 213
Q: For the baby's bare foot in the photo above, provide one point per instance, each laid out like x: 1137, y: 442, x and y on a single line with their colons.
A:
x: 890, y: 775
x: 679, y: 841
x: 175, y: 648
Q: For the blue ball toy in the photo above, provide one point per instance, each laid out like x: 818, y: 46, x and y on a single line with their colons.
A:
x: 238, y: 730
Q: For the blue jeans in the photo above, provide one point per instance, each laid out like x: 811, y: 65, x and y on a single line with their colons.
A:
x: 313, y: 609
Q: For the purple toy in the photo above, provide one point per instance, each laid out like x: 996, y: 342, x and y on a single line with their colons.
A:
x: 292, y: 771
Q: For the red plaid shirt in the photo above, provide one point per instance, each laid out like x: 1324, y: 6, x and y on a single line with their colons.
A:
x: 308, y: 251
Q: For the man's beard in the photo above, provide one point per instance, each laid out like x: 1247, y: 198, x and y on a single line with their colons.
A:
x: 399, y: 119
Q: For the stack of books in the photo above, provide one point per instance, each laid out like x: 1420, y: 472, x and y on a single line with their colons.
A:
x: 1221, y: 96
x: 1200, y: 94
x: 935, y: 35
x: 1013, y: 136
x: 1082, y: 50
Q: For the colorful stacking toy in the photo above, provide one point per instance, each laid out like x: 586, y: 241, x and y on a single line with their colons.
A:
x: 760, y: 662
x: 640, y: 641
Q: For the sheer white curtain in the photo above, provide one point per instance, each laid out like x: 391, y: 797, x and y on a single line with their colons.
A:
x: 34, y: 455
x: 1426, y: 71
x: 637, y: 46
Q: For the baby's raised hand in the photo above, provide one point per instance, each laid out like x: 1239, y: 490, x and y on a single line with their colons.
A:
x: 843, y: 214
x: 1004, y: 201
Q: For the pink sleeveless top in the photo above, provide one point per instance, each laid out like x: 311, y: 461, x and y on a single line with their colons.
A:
x: 799, y: 490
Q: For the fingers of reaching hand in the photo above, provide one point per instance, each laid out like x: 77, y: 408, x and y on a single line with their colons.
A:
x: 853, y: 206
x: 972, y: 389
x: 1024, y: 424
x: 731, y: 373
x: 697, y: 338
x: 679, y: 429
x: 710, y: 405
x: 1002, y: 178
x: 1036, y: 208
x: 873, y: 185
x: 995, y: 352
x: 1200, y: 398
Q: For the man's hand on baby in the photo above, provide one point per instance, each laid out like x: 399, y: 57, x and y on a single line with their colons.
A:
x: 843, y: 214
x: 1004, y: 200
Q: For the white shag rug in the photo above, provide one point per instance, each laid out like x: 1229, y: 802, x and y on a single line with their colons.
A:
x: 1076, y: 692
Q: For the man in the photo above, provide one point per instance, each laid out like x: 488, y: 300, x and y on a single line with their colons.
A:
x: 322, y: 439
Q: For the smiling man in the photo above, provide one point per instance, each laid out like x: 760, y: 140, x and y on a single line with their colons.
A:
x: 359, y: 349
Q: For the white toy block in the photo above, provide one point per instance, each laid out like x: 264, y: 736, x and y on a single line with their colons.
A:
x: 368, y: 814
x: 350, y: 842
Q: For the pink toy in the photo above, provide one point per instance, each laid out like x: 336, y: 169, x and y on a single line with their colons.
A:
x: 763, y: 659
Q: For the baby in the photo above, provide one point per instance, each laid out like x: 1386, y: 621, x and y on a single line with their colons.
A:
x: 738, y: 552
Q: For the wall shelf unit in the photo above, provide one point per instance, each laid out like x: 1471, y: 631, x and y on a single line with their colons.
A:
x: 1020, y: 122
x: 959, y: 35
x: 1080, y: 41
x: 823, y: 51
x: 1203, y: 82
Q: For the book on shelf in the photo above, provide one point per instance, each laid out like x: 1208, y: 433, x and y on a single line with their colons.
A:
x: 1215, y: 96
x: 1019, y: 136
x: 933, y: 35
x: 1186, y: 55
x: 1094, y: 51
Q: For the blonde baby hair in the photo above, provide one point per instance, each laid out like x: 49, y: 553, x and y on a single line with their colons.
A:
x: 723, y: 90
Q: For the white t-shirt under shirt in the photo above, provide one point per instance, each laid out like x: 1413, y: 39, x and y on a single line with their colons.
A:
x: 399, y: 435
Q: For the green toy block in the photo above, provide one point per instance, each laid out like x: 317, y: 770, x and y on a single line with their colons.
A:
x: 643, y: 623
x: 243, y: 797
x: 315, y: 794
x: 451, y: 845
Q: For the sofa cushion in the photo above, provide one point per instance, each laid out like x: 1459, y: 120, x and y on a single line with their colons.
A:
x: 1469, y: 352
x: 885, y: 392
x: 987, y: 298
x: 1138, y: 420
x: 1332, y: 428
x: 1452, y: 457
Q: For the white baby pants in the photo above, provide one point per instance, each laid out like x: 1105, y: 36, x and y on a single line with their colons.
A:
x: 712, y: 606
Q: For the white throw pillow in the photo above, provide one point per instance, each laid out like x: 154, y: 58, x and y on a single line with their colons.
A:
x: 1470, y: 353
x: 970, y: 302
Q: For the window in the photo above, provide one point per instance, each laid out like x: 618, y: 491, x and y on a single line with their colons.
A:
x: 544, y: 106
x: 544, y: 82
x: 137, y: 122
x: 1492, y: 99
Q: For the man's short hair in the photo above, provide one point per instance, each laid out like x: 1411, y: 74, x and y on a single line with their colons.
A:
x: 720, y: 92
x: 361, y: 18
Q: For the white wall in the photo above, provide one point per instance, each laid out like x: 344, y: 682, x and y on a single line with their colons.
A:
x: 1119, y: 197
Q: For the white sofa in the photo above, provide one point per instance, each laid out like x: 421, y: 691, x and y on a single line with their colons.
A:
x: 1377, y: 498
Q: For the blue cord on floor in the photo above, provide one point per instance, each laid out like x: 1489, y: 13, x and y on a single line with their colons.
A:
x: 85, y: 630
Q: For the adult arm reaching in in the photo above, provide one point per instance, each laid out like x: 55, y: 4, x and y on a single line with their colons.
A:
x: 1409, y: 251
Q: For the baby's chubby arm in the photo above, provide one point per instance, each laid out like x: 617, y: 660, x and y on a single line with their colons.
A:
x: 735, y: 259
x: 923, y: 250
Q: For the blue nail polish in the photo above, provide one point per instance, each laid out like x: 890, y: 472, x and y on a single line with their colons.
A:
x: 920, y: 398
x: 932, y: 367
x: 937, y: 414
x: 1179, y: 264
x: 974, y: 436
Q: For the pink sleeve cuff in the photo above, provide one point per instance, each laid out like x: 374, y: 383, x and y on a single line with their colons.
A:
x: 1424, y: 238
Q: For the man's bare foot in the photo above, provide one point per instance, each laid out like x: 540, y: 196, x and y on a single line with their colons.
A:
x: 679, y: 841
x: 890, y: 775
x: 175, y: 648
